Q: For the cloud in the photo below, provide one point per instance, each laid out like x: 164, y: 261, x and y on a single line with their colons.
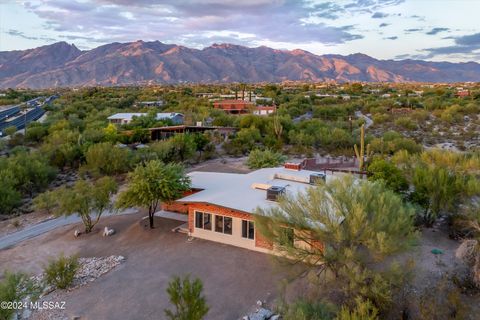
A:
x: 466, y: 44
x: 437, y: 30
x: 391, y: 38
x: 473, y: 39
x: 413, y: 30
x: 174, y: 21
x: 20, y: 34
x: 383, y: 25
x: 379, y: 15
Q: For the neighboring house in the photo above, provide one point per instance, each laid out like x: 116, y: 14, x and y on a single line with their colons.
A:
x: 264, y: 110
x: 221, y: 206
x: 158, y: 103
x: 234, y: 106
x: 125, y: 118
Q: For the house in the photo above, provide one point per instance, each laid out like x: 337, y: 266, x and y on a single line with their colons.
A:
x: 234, y: 106
x: 158, y: 103
x: 462, y: 93
x: 264, y: 110
x: 221, y: 206
x: 125, y: 118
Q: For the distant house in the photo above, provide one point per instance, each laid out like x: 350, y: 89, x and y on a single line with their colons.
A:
x: 234, y: 106
x: 158, y: 103
x: 264, y: 110
x: 221, y: 206
x: 126, y: 118
x: 462, y: 93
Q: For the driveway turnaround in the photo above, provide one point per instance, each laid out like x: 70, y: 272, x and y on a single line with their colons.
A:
x: 233, y: 278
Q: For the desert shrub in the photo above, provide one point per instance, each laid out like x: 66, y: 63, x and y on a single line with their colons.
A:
x: 406, y: 123
x: 363, y: 310
x: 380, y: 169
x: 380, y: 118
x: 264, y: 159
x: 187, y: 298
x: 45, y: 202
x: 60, y: 272
x: 14, y: 287
x: 104, y: 158
x: 443, y: 301
x: 306, y: 310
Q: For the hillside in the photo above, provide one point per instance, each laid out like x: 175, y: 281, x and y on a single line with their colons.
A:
x: 62, y: 65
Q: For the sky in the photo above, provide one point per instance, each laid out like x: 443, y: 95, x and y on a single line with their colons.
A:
x: 437, y: 30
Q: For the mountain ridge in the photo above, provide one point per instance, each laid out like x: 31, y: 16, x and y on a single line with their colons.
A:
x: 142, y: 62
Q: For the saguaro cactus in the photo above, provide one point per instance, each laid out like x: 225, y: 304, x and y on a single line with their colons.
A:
x: 362, y: 154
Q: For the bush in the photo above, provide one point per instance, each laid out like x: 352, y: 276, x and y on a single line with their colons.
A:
x: 187, y: 298
x: 305, y: 310
x: 60, y: 272
x: 363, y: 310
x: 105, y: 158
x: 14, y: 287
x: 406, y: 122
x: 264, y: 159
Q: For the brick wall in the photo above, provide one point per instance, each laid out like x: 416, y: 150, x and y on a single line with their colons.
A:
x: 178, y: 206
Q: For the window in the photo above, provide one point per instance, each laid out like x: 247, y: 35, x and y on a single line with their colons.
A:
x: 203, y: 220
x: 248, y: 229
x: 223, y: 224
x: 286, y: 237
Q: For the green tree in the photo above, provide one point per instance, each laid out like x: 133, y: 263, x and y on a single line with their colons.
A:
x: 381, y: 169
x: 87, y: 199
x: 105, y: 158
x: 150, y: 184
x: 9, y: 196
x: 264, y: 159
x: 45, y: 201
x: 184, y: 146
x: 9, y: 131
x: 186, y: 296
x: 338, y: 229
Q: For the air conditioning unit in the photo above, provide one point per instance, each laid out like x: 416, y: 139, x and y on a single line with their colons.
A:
x: 316, y: 178
x: 274, y: 191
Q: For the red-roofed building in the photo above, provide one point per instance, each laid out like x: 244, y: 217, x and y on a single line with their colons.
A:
x: 234, y: 106
x: 463, y: 93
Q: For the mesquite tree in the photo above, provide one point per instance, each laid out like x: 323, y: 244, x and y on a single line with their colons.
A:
x: 150, y: 184
x: 87, y: 199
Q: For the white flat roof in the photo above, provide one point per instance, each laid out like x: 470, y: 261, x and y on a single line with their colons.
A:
x: 130, y: 115
x: 235, y: 191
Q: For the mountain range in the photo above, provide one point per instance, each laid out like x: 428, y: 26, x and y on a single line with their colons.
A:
x: 64, y: 65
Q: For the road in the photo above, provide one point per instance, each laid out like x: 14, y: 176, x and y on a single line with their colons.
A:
x: 368, y: 120
x: 45, y: 226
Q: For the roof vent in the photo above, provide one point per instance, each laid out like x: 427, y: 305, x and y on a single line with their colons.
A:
x: 274, y: 192
x: 316, y: 178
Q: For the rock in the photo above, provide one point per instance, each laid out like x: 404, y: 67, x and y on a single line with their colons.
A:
x: 259, y: 303
x: 275, y: 317
x: 108, y: 232
x: 76, y: 233
x: 260, y: 314
x: 468, y: 252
